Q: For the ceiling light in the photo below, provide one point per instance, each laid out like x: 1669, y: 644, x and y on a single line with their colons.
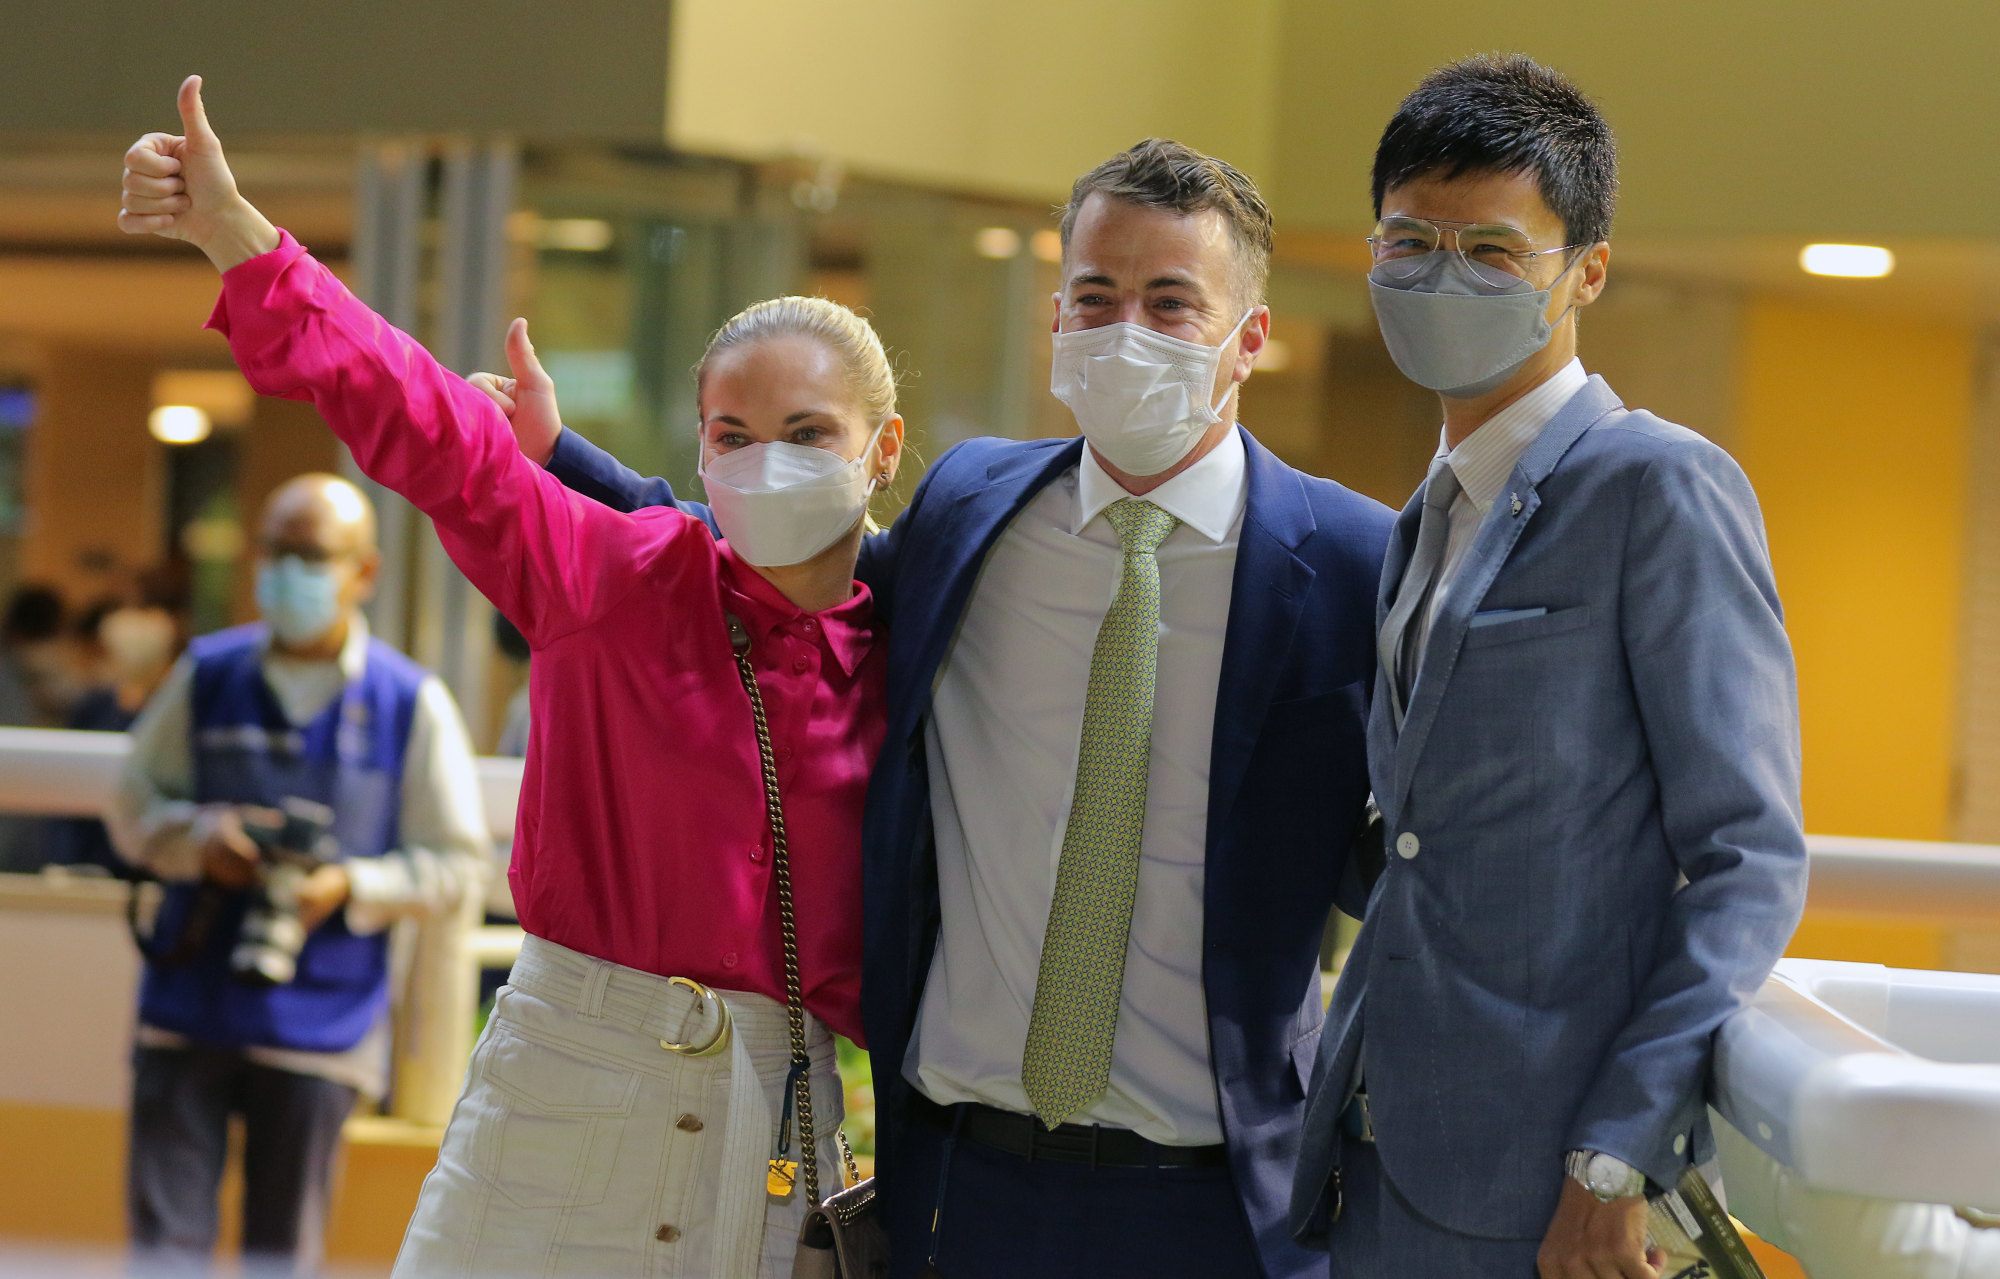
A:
x: 1046, y: 245
x: 178, y: 424
x: 1854, y: 261
x: 996, y: 242
x: 576, y: 235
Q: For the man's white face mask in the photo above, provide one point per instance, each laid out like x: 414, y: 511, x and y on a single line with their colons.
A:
x: 780, y: 504
x: 1141, y: 398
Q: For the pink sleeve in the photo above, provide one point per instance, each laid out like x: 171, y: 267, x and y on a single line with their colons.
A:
x: 549, y: 559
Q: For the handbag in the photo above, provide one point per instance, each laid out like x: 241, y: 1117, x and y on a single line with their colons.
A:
x: 842, y: 1237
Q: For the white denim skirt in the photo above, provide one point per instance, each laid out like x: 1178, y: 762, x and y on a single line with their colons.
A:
x: 583, y: 1147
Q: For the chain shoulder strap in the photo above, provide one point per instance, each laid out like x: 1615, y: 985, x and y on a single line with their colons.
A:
x: 781, y: 868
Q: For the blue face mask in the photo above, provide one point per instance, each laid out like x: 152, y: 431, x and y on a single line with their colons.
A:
x: 300, y: 601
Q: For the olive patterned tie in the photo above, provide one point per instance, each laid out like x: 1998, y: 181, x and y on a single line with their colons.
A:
x: 1067, y: 1063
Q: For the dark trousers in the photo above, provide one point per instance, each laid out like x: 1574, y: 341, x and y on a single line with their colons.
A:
x: 1005, y: 1217
x: 182, y: 1099
x: 1380, y: 1234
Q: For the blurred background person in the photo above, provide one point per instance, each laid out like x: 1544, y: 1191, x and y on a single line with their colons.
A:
x: 134, y: 642
x: 32, y: 676
x: 363, y: 757
x: 37, y: 682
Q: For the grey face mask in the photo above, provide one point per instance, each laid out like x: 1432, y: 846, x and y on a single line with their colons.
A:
x: 1455, y: 333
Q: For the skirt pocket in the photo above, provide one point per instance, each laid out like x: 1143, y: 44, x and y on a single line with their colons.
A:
x: 554, y: 1141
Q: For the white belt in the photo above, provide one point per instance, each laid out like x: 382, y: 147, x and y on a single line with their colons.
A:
x: 690, y: 1020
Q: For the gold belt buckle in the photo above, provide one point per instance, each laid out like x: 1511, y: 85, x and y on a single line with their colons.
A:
x: 716, y: 1042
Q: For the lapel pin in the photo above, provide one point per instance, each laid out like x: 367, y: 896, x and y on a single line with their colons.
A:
x: 1516, y: 507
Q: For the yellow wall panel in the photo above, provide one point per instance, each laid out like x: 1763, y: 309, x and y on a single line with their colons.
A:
x: 1017, y: 98
x: 1855, y: 430
x: 1870, y: 939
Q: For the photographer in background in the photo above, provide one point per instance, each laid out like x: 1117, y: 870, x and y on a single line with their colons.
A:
x: 300, y: 786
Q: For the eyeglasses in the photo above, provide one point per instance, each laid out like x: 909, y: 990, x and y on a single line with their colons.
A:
x: 1494, y: 252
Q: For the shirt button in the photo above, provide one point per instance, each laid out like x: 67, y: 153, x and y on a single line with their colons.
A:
x: 1681, y: 1144
x: 688, y: 1123
x: 729, y: 960
x: 799, y: 665
x: 1408, y: 845
x: 809, y: 626
x: 667, y: 1234
x: 784, y: 754
x: 757, y: 854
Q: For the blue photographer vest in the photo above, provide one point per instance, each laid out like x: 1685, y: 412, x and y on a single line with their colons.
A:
x: 350, y: 758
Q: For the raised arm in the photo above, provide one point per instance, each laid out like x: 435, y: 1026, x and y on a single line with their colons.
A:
x: 549, y: 559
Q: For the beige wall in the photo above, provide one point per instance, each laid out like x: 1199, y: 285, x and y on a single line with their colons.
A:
x: 1014, y: 98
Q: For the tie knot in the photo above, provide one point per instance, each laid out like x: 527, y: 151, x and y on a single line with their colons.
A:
x: 1141, y: 525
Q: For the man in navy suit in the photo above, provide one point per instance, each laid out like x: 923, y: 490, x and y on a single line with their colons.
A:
x: 1129, y: 676
x: 1584, y: 741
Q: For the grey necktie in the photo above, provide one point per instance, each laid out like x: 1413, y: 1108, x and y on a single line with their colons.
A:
x: 1396, y: 648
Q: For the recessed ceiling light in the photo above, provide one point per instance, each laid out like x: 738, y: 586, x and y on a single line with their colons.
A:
x: 576, y: 235
x: 178, y: 424
x: 999, y: 242
x: 1853, y: 261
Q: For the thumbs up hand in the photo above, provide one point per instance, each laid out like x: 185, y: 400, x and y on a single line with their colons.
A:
x: 528, y: 398
x: 180, y: 187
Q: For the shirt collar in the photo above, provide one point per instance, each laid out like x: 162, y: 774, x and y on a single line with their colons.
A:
x: 353, y: 651
x: 1207, y: 497
x: 847, y: 630
x: 1484, y: 459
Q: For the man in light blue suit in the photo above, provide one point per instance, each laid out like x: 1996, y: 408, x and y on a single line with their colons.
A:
x: 1583, y: 742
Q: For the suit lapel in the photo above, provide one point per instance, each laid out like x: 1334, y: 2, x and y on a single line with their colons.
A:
x: 1496, y: 539
x: 971, y: 524
x: 1267, y: 594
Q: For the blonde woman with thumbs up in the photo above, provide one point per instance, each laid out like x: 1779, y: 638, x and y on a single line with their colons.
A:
x: 637, y: 1101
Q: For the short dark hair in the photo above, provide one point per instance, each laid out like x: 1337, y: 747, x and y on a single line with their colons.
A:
x: 1507, y: 113
x: 1161, y: 174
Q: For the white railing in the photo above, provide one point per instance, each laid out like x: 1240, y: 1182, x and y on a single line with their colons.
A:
x: 48, y: 772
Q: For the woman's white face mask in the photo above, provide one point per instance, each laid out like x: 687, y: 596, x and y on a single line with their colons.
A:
x: 779, y: 504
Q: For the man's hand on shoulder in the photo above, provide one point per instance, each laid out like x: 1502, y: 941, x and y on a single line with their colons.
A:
x: 1592, y: 1239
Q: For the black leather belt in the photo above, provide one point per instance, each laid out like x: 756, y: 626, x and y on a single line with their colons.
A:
x: 1090, y: 1144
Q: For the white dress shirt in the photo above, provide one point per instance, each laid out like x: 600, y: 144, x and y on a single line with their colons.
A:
x: 1003, y: 740
x: 1483, y: 460
x: 155, y: 823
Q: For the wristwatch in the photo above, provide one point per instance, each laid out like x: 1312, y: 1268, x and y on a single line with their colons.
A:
x: 1606, y: 1176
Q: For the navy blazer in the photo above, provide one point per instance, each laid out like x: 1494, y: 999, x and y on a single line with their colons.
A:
x: 1287, y: 780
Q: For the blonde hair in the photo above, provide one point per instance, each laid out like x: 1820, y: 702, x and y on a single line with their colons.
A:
x: 840, y: 330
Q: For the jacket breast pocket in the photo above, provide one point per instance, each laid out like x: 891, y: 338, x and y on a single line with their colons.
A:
x: 1319, y: 710
x: 1529, y: 626
x: 555, y: 1137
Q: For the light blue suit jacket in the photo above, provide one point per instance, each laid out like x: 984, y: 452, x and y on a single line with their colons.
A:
x: 1592, y: 813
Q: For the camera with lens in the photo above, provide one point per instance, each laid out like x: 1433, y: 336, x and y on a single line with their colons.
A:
x: 293, y: 840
